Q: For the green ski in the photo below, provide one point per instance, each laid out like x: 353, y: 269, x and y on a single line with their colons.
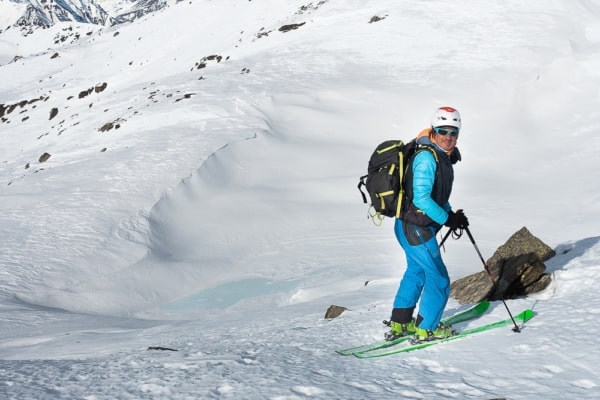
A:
x: 472, y: 313
x: 524, y: 316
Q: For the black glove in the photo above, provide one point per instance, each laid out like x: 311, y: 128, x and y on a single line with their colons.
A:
x: 457, y: 220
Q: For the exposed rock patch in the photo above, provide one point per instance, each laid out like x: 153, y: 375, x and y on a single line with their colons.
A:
x: 517, y: 268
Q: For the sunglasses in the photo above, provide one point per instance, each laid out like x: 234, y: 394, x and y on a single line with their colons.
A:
x: 446, y: 131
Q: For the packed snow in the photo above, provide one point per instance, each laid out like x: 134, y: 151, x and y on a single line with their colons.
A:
x: 198, y: 212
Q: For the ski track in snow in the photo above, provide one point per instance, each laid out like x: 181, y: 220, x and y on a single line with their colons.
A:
x: 221, y: 218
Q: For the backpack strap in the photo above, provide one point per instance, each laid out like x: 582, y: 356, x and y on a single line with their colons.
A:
x: 420, y: 148
x: 362, y: 183
x: 430, y: 148
x: 401, y: 169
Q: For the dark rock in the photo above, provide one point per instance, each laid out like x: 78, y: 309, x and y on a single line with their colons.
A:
x: 85, y: 93
x: 110, y: 125
x: 542, y: 283
x: 334, y: 311
x: 100, y: 87
x: 376, y: 18
x: 290, y: 27
x: 522, y: 242
x: 53, y: 112
x: 516, y: 269
x: 161, y: 348
x: 515, y: 274
x: 44, y: 157
x: 472, y: 289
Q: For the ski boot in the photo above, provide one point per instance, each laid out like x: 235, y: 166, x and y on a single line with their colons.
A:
x: 441, y: 332
x: 398, y: 330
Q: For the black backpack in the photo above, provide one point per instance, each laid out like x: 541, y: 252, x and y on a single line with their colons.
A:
x: 384, y: 179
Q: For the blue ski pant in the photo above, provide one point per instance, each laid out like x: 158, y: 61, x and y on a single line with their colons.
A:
x: 426, y: 277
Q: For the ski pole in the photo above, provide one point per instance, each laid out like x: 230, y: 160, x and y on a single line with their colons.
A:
x: 445, y: 237
x: 516, y: 328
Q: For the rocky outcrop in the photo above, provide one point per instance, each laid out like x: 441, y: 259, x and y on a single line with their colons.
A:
x: 517, y: 269
x: 334, y: 311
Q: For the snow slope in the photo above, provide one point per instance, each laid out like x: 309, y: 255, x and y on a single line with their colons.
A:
x: 201, y: 195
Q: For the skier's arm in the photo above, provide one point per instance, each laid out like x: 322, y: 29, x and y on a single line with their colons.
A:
x: 424, y: 167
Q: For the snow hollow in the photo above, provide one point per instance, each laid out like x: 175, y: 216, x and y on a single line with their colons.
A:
x: 187, y: 182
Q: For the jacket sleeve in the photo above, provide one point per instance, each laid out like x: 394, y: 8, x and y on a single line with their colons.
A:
x: 424, y: 168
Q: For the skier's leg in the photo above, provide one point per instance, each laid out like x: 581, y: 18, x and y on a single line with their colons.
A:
x: 412, y: 282
x: 437, y: 286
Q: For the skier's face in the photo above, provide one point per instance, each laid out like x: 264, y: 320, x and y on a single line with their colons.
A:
x: 446, y: 142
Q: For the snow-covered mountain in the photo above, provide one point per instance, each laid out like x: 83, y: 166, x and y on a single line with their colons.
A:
x: 100, y: 12
x: 188, y: 181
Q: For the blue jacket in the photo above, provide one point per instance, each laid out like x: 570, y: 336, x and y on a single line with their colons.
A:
x: 429, y: 185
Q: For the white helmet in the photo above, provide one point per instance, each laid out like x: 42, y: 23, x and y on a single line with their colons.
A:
x: 445, y: 116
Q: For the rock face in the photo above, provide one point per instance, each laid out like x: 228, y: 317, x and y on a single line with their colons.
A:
x: 517, y: 268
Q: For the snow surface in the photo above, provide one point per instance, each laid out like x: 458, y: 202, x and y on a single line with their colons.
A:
x: 219, y: 217
x: 9, y: 14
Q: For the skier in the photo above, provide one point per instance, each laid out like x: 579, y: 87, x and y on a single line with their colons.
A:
x: 428, y: 184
